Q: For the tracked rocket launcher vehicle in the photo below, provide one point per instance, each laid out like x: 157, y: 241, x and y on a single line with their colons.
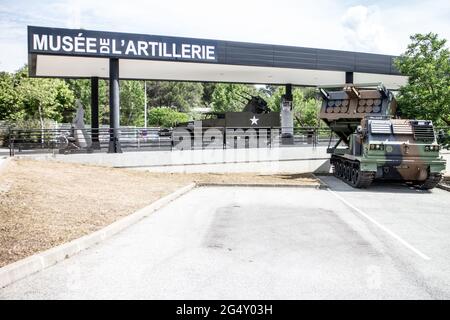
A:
x: 377, y: 146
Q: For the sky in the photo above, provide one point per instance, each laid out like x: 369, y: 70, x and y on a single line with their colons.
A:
x: 366, y: 26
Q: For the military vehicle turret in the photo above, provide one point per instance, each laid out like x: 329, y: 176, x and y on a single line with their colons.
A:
x: 255, y: 104
x: 253, y: 124
x: 377, y: 146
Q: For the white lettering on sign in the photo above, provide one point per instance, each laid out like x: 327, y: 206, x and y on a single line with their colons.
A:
x: 166, y: 54
x: 80, y: 43
x: 186, y: 51
x: 91, y: 44
x: 54, y: 43
x: 115, y: 50
x: 104, y: 46
x: 210, y: 53
x: 153, y: 46
x: 196, y: 51
x: 67, y: 44
x: 131, y: 48
x: 174, y: 51
x: 142, y: 48
x: 40, y: 44
x: 84, y: 44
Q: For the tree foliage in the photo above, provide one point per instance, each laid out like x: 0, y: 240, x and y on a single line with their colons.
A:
x: 208, y: 90
x: 82, y: 90
x: 181, y: 96
x: 9, y: 98
x: 230, y: 96
x: 427, y: 94
x: 166, y: 117
x: 132, y: 99
x: 41, y: 99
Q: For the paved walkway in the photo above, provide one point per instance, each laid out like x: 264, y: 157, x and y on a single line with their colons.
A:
x: 268, y: 243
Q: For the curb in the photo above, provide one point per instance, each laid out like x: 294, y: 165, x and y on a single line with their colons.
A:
x: 443, y: 187
x: 37, y: 262
x: 323, y: 185
x: 216, y: 163
x: 271, y: 185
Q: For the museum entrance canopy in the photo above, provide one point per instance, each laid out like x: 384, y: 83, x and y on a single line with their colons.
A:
x: 55, y: 52
x: 90, y: 54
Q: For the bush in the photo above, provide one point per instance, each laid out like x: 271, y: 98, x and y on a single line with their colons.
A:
x: 166, y: 117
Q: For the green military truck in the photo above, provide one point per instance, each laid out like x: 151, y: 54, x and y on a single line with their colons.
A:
x: 372, y: 144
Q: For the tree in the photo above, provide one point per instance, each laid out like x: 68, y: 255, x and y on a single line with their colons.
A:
x: 208, y: 90
x: 41, y: 99
x: 268, y: 90
x: 9, y: 107
x: 426, y: 62
x: 38, y: 100
x: 229, y: 96
x: 181, y: 96
x: 65, y: 102
x: 132, y: 99
x: 82, y: 90
x: 166, y: 117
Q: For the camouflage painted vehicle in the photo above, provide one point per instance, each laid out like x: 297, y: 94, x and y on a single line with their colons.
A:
x: 376, y: 145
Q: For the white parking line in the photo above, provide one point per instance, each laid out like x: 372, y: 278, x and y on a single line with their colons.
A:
x: 379, y: 225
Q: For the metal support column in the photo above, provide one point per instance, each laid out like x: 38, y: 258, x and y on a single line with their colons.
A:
x: 94, y: 113
x: 145, y: 104
x: 287, y: 119
x: 114, y: 106
x: 349, y: 77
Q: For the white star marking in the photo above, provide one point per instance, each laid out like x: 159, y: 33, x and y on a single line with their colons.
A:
x: 254, y: 120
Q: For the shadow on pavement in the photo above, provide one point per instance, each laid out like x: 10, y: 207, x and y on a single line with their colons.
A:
x: 376, y: 186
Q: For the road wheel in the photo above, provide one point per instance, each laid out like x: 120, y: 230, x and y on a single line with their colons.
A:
x: 347, y: 172
x: 339, y: 172
x: 354, y: 175
x: 335, y: 169
x: 361, y: 179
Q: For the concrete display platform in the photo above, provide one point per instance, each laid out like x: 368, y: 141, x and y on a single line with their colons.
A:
x: 389, y: 241
x: 265, y: 160
x: 298, y: 159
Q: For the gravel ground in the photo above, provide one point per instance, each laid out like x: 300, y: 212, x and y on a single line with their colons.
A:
x: 44, y: 204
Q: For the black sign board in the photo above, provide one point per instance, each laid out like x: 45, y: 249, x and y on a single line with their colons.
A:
x: 89, y: 43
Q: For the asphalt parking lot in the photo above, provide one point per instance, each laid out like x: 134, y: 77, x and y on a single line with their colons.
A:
x: 389, y: 241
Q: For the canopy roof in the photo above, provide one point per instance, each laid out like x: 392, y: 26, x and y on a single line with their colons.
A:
x: 75, y: 53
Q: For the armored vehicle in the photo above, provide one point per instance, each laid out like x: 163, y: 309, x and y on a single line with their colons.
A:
x: 378, y: 146
x: 255, y: 121
x: 255, y: 114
